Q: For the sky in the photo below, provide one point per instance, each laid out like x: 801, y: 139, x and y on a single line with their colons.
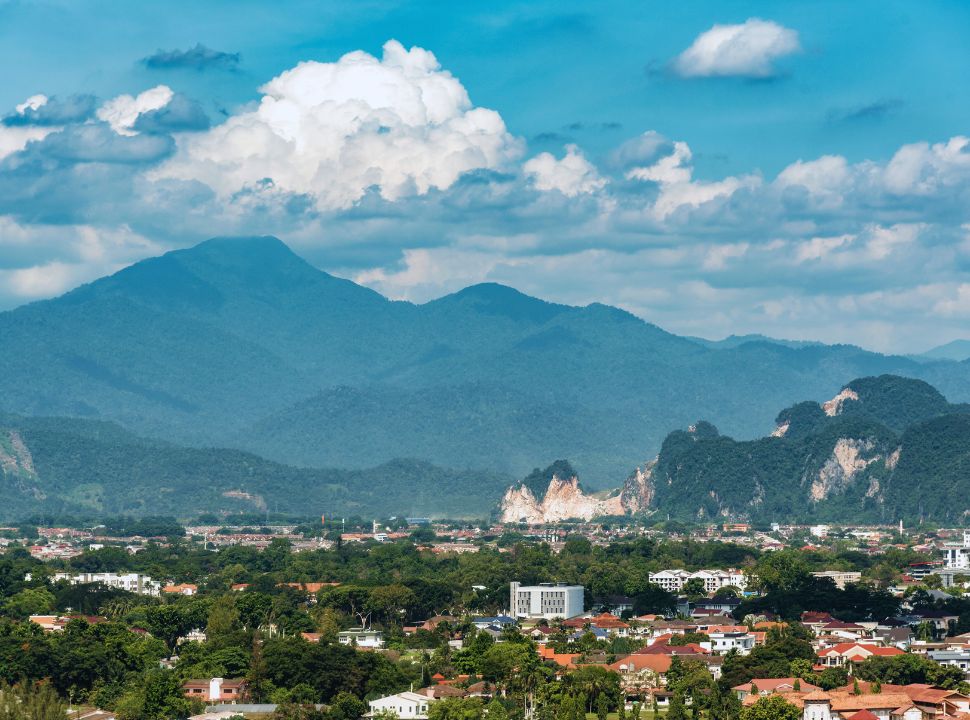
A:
x: 798, y: 169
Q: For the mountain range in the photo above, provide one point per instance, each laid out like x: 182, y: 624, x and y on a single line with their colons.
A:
x: 239, y: 343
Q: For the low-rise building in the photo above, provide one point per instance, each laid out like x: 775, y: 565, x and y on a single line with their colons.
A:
x: 131, y: 582
x: 219, y: 690
x: 724, y: 642
x: 362, y: 638
x: 546, y: 600
x: 405, y: 705
x: 841, y: 578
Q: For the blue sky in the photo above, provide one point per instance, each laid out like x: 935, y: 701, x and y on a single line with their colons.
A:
x: 792, y: 168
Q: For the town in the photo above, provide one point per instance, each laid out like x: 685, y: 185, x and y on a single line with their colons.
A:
x: 413, y: 618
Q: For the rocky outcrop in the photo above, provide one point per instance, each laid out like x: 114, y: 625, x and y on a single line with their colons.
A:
x: 849, y: 457
x: 17, y: 464
x: 834, y: 406
x: 638, y: 490
x: 565, y: 499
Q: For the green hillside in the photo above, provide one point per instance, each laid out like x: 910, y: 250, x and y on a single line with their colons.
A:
x: 57, y: 465
x: 900, y: 451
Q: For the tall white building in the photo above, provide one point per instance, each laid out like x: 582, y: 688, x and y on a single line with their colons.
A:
x: 132, y: 582
x: 957, y: 557
x: 546, y: 600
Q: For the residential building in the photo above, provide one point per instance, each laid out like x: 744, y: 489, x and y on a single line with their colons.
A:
x: 769, y: 686
x: 724, y: 642
x: 956, y: 658
x: 674, y: 580
x: 362, y: 638
x: 215, y: 690
x: 499, y: 620
x: 841, y: 578
x: 843, y: 653
x: 132, y: 582
x: 405, y: 705
x: 957, y: 557
x: 546, y: 600
x: 181, y: 589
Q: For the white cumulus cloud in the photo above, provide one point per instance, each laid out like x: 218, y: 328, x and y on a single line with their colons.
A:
x: 122, y: 112
x: 400, y: 124
x: 748, y: 49
x: 572, y: 175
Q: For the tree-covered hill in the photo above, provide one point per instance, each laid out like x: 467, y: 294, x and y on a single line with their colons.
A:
x: 898, y: 451
x: 57, y: 465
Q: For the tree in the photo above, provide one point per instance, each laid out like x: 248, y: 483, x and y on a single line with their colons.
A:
x: 456, y: 709
x: 29, y: 601
x: 159, y: 697
x: 602, y: 707
x: 495, y: 711
x: 677, y: 709
x: 223, y: 623
x: 31, y: 701
x: 779, y: 571
x: 168, y: 623
x: 771, y: 707
x: 346, y: 707
x: 694, y: 588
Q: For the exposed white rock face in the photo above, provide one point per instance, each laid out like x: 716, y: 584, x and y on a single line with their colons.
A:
x: 19, y: 461
x: 873, y: 489
x: 834, y: 406
x: 564, y: 499
x: 893, y: 459
x: 520, y: 505
x: 840, y: 468
x: 638, y: 490
x: 781, y: 430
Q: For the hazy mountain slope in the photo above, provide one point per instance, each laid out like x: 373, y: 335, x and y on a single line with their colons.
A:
x: 77, y: 466
x: 958, y: 350
x: 239, y: 341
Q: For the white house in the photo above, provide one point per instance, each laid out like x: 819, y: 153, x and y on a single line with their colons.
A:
x: 546, y: 600
x: 723, y: 642
x: 404, y: 705
x: 362, y: 638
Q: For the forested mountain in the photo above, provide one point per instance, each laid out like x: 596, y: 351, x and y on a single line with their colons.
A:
x: 884, y: 449
x: 84, y: 467
x: 239, y: 342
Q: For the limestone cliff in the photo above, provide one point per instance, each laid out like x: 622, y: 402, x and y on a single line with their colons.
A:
x: 565, y: 499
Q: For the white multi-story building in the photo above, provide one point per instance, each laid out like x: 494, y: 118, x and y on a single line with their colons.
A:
x: 674, y: 580
x: 132, y: 582
x: 957, y: 557
x: 722, y: 643
x: 546, y: 600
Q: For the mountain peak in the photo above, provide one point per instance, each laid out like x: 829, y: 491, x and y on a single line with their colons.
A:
x: 495, y: 299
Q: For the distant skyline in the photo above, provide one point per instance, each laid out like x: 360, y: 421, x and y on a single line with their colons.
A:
x: 794, y: 169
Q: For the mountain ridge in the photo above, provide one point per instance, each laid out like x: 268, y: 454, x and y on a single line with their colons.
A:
x: 242, y: 343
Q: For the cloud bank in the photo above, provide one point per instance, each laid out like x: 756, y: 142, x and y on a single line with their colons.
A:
x: 383, y: 169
